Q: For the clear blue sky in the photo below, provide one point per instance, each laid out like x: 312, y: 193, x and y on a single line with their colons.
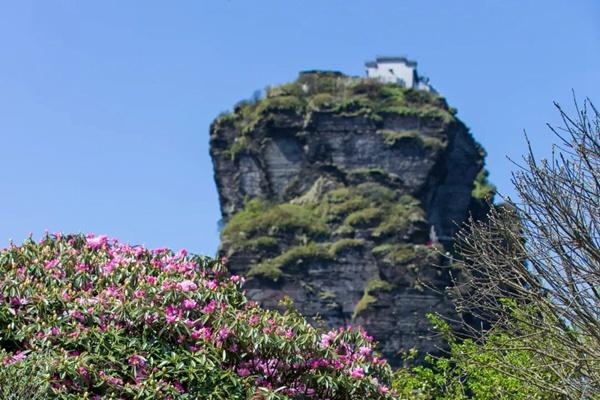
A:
x: 105, y: 105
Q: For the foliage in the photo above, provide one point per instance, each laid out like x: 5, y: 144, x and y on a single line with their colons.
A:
x: 400, y: 217
x: 393, y: 138
x: 532, y: 268
x: 23, y: 380
x: 240, y: 144
x: 102, y: 319
x: 346, y: 244
x: 260, y: 217
x: 482, y: 189
x: 364, y: 217
x: 469, y: 371
x: 327, y: 91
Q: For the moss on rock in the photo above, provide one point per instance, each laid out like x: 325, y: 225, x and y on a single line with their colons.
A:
x: 294, y: 256
x: 343, y: 245
x: 260, y: 218
x: 368, y: 298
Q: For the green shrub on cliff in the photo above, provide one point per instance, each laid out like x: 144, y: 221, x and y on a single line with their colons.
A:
x: 347, y: 96
x: 372, y: 285
x: 482, y: 188
x: 261, y: 218
x: 293, y: 257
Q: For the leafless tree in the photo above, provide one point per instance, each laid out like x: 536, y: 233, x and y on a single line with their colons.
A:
x: 533, y: 266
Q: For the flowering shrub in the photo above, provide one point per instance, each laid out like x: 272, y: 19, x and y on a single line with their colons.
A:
x: 102, y: 319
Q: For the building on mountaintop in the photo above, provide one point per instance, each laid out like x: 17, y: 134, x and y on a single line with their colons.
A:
x: 399, y: 70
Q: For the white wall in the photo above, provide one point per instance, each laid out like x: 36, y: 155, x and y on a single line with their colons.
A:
x: 392, y: 72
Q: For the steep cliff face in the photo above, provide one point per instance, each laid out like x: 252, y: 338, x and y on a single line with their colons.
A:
x: 342, y: 193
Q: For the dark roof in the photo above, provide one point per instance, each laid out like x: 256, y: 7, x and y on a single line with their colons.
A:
x: 391, y: 59
x: 321, y: 72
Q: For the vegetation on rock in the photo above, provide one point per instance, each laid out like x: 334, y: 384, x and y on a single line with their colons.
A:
x: 335, y: 93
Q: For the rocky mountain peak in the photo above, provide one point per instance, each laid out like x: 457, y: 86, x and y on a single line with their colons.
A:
x: 343, y: 194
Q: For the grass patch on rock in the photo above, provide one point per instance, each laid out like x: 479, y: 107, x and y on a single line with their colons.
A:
x: 368, y: 298
x: 295, y: 256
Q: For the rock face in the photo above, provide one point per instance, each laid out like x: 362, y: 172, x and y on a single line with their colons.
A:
x: 343, y: 193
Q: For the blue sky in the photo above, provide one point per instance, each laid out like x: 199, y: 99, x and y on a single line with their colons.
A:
x: 105, y: 106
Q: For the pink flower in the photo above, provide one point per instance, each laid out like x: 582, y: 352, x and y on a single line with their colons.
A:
x: 81, y: 267
x: 171, y: 314
x: 357, y: 373
x: 189, y: 304
x: 364, y: 351
x: 182, y: 253
x: 96, y: 242
x: 212, y: 284
x: 138, y: 294
x: 83, y: 372
x: 108, y: 267
x: 223, y: 334
x: 51, y: 264
x: 136, y: 360
x: 243, y: 372
x: 327, y: 338
x: 205, y: 333
x: 151, y: 280
x: 236, y: 279
x: 18, y: 356
x: 178, y: 386
x: 187, y: 286
x: 210, y: 307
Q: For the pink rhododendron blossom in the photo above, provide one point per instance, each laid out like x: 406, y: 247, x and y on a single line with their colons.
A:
x: 187, y: 286
x: 189, y: 304
x: 327, y: 338
x: 357, y: 373
x: 83, y: 372
x: 136, y: 360
x: 81, y: 267
x: 364, y: 351
x: 105, y: 298
x: 210, y: 307
x: 212, y: 284
x: 182, y: 253
x: 97, y: 241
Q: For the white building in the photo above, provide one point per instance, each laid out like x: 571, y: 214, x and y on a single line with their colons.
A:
x: 397, y: 70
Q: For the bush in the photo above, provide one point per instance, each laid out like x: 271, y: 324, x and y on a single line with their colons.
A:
x: 470, y: 371
x: 297, y: 255
x: 102, y: 319
x: 260, y: 218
